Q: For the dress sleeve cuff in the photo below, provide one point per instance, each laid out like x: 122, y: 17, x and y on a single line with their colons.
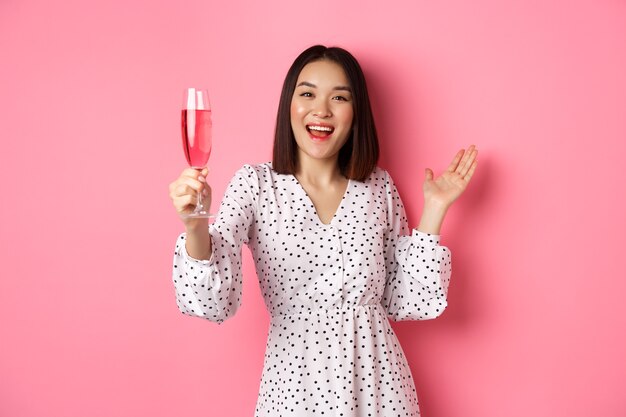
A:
x: 185, y: 255
x: 425, y: 239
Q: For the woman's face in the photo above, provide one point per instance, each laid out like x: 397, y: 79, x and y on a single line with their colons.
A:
x: 321, y: 110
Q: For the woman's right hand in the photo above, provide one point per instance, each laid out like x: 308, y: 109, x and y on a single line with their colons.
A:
x: 184, y: 194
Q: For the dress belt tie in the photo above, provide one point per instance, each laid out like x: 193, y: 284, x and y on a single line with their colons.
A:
x: 331, y: 309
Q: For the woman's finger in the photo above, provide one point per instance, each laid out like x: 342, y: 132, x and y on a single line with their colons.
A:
x: 191, y: 173
x: 192, y: 184
x: 455, y: 161
x: 185, y: 203
x: 468, y: 163
x: 469, y: 174
x: 463, y: 163
x: 184, y: 190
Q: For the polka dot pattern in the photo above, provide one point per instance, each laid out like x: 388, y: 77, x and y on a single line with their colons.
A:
x: 330, y: 290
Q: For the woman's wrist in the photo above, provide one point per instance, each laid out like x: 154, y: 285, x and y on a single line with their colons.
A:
x: 198, y: 240
x: 196, y: 225
x: 432, y: 218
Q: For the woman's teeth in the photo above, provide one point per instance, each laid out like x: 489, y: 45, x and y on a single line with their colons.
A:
x: 320, y: 131
x: 321, y: 128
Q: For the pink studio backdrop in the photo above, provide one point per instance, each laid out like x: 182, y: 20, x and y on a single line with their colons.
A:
x: 90, y: 95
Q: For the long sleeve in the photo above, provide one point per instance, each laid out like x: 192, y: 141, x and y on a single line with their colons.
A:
x: 418, y: 268
x: 212, y: 288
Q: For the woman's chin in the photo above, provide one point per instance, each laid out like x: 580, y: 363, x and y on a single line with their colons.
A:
x: 318, y: 154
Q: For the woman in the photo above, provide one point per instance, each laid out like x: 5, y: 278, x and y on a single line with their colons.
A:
x: 332, y: 249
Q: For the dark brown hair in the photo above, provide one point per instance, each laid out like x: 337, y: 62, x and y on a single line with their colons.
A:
x: 359, y: 155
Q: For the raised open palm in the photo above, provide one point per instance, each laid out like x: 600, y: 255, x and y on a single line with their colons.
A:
x: 452, y: 182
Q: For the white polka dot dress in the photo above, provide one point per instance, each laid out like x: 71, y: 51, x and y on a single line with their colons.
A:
x: 329, y: 289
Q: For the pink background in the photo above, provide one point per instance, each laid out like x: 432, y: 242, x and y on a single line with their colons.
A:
x: 90, y: 97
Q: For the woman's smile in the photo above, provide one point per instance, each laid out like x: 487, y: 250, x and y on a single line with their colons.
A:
x: 320, y: 131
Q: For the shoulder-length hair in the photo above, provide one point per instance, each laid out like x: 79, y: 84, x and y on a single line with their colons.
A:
x: 359, y: 155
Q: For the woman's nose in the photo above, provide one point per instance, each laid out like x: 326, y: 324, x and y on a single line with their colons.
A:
x: 321, y: 109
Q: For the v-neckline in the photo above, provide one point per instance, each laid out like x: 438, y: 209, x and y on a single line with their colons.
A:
x: 337, y: 210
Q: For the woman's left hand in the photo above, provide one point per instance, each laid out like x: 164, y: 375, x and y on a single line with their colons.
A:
x: 447, y: 187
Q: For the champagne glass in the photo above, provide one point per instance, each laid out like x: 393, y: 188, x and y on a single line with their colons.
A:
x: 197, y: 137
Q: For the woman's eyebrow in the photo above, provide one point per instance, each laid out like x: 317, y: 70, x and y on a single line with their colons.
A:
x: 339, y: 87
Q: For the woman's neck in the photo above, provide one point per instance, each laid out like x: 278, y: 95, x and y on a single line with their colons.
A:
x: 318, y: 172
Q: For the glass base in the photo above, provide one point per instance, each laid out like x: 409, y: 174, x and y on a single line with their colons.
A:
x: 202, y: 214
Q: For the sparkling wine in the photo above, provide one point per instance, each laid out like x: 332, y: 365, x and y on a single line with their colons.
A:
x: 196, y: 126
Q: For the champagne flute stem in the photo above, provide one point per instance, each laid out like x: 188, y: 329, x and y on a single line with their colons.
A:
x: 200, y: 203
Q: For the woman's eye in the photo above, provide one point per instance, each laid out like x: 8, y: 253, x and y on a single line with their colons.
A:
x: 306, y: 94
x: 342, y: 98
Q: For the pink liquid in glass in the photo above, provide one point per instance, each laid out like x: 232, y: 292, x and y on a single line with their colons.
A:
x: 196, y: 125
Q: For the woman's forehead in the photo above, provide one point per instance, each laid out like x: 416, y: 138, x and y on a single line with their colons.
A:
x: 323, y: 72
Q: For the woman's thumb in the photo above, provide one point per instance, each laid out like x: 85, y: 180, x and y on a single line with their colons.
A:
x: 429, y: 174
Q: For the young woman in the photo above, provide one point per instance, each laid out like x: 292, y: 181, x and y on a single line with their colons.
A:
x: 333, y: 252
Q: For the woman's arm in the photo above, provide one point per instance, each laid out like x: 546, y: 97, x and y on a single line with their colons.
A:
x: 417, y: 268
x: 209, y: 281
x: 198, y: 242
